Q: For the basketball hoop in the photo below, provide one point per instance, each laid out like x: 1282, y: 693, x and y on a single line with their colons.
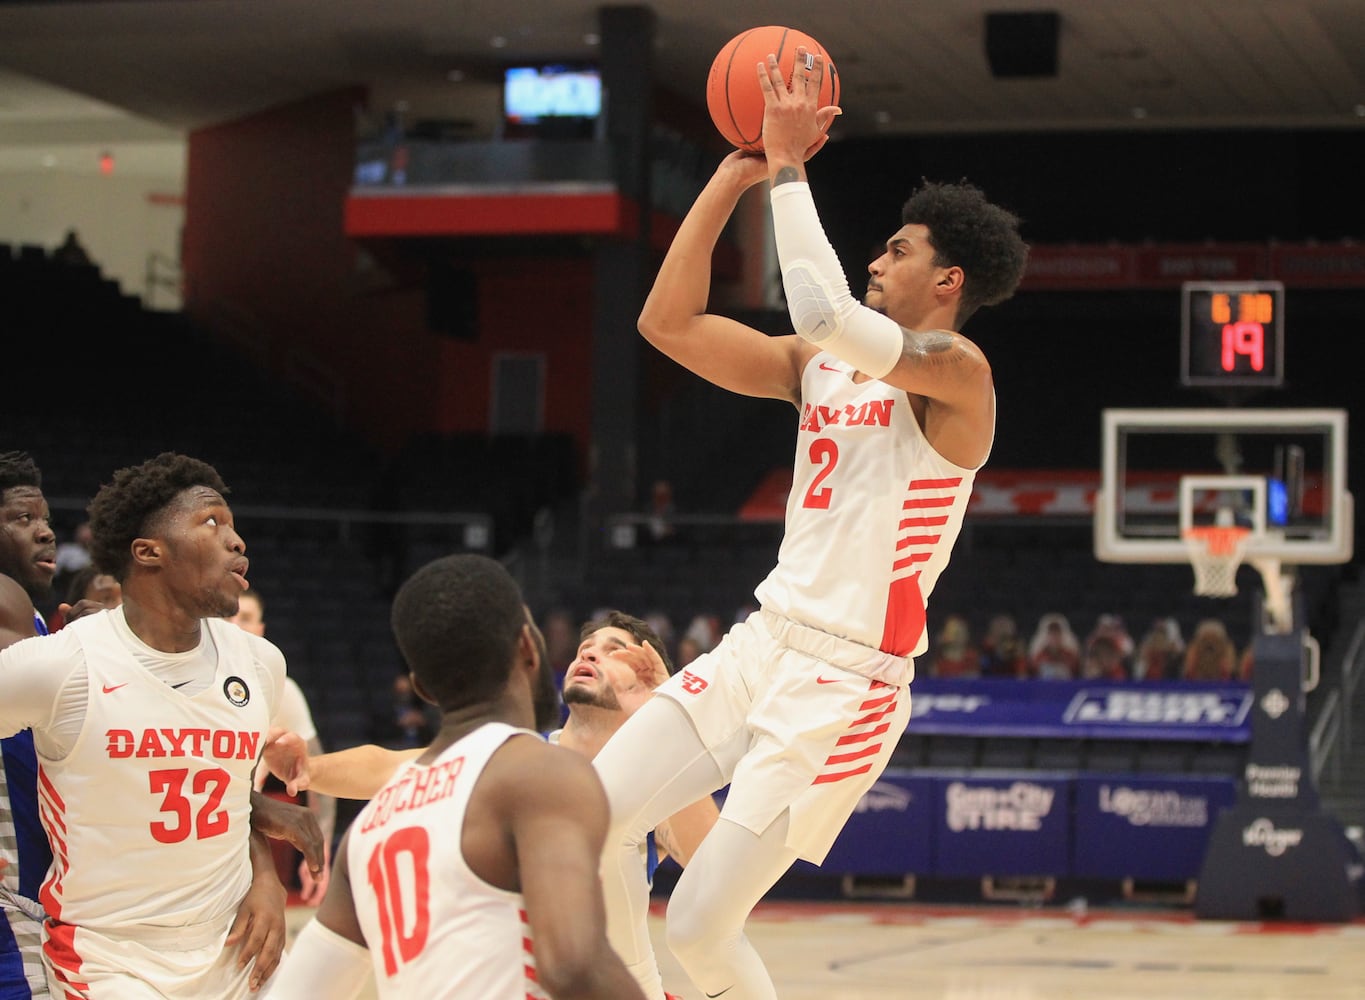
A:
x: 1215, y: 552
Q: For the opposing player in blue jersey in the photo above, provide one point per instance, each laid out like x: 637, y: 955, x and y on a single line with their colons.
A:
x: 28, y: 562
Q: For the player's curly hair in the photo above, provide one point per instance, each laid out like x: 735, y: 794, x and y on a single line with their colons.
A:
x: 457, y: 621
x: 638, y: 628
x: 969, y: 232
x: 17, y: 468
x: 125, y: 509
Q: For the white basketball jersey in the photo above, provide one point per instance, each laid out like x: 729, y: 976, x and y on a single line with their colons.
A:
x: 149, y: 813
x: 435, y: 929
x: 872, y: 515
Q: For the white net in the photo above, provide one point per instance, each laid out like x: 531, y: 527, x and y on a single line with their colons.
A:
x: 1215, y: 553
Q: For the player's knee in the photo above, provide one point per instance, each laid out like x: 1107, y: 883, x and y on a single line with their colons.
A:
x: 689, y: 929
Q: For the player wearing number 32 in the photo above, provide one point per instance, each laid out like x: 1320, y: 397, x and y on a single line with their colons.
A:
x: 801, y: 705
x: 147, y: 720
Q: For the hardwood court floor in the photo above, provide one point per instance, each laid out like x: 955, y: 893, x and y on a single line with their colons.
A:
x: 833, y: 951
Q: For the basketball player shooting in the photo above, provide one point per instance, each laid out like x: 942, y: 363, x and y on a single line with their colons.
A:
x: 800, y: 706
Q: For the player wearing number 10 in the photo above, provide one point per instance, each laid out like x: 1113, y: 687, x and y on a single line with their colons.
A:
x: 473, y: 872
x: 801, y: 705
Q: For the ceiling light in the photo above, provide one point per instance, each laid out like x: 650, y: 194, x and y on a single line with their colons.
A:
x: 1138, y: 112
x: 592, y: 38
x: 455, y: 75
x: 498, y: 42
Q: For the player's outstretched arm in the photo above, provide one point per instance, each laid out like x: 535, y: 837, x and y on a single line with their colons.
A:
x: 720, y: 350
x: 354, y: 773
x: 556, y: 812
x: 330, y: 958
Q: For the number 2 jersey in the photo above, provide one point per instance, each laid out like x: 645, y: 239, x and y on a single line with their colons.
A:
x: 143, y: 788
x: 435, y: 929
x: 871, y: 519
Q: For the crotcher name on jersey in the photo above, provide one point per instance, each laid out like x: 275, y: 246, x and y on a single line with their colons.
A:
x: 418, y: 787
x: 224, y: 744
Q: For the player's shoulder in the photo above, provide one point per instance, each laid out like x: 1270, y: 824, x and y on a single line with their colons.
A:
x: 533, y: 763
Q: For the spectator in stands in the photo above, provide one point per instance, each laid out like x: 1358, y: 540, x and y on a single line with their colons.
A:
x: 954, y: 654
x: 661, y: 511
x: 1246, y: 665
x: 561, y: 641
x: 688, y: 650
x: 1002, y: 650
x: 1054, y: 653
x: 70, y: 251
x: 407, y: 724
x: 662, y: 625
x: 1212, y: 655
x: 1104, y: 660
x: 295, y: 716
x: 705, y: 629
x: 1111, y: 626
x: 1161, y: 652
x: 73, y: 555
x: 98, y: 590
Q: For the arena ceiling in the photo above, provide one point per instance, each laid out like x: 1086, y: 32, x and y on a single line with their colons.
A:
x: 156, y: 68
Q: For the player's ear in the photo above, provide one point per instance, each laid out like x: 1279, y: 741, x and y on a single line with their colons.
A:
x: 528, y: 650
x: 421, y: 691
x: 147, y: 551
x: 951, y: 280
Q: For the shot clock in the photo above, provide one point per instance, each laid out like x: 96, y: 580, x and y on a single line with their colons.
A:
x: 1232, y: 334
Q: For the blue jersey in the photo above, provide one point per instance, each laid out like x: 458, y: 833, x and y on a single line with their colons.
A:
x: 29, y: 857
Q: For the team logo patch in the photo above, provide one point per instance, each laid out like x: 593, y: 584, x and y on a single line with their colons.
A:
x: 236, y: 691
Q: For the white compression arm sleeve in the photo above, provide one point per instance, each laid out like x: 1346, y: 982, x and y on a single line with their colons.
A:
x: 822, y: 310
x: 322, y: 963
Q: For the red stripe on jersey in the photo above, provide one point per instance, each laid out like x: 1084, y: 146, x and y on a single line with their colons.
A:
x: 848, y: 738
x: 910, y: 540
x: 844, y: 758
x: 867, y: 720
x: 47, y: 793
x: 825, y: 779
x: 937, y: 521
x: 874, y: 702
x: 924, y: 503
x: 904, y: 623
x: 51, y: 789
x: 59, y: 946
x: 935, y: 484
x: 907, y: 562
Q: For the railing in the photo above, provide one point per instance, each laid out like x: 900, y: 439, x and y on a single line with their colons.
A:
x: 476, y: 527
x: 162, y: 272
x: 1330, y: 739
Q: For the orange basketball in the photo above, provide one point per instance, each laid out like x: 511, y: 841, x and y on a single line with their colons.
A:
x: 733, y: 95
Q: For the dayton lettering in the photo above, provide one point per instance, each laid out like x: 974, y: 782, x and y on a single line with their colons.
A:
x: 874, y: 413
x: 223, y: 744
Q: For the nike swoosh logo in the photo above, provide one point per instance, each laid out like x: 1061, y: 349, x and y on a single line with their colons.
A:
x: 721, y: 993
x: 107, y: 688
x: 828, y: 368
x: 825, y: 680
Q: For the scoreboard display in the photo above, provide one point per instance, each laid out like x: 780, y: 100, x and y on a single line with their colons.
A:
x: 1232, y: 334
